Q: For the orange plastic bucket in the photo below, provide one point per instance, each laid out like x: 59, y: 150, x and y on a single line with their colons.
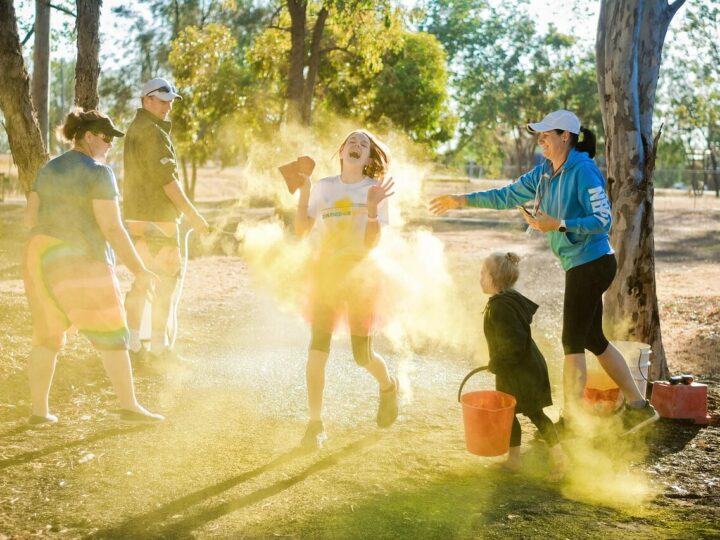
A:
x: 488, y: 417
x: 601, y: 401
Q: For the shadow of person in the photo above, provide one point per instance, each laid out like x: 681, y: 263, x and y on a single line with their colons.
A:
x: 150, y: 524
x: 670, y: 437
x: 21, y: 428
x: 32, y: 455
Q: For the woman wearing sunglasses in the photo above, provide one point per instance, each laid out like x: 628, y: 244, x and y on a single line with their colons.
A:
x: 570, y: 205
x: 68, y: 263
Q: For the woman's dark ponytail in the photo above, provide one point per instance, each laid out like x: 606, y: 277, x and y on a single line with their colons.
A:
x: 585, y: 142
x: 77, y: 123
x: 67, y: 131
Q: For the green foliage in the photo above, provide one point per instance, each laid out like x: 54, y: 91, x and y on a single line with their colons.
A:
x: 212, y: 85
x: 691, y: 84
x: 370, y: 70
x: 506, y: 74
x: 356, y: 37
x: 148, y: 43
x: 409, y: 92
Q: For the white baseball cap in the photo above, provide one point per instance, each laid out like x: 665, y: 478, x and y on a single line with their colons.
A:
x: 161, y: 89
x: 561, y: 119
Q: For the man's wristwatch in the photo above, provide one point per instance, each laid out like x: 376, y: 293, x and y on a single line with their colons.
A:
x: 562, y: 227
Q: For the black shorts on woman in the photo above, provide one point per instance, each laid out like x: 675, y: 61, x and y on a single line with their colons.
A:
x: 583, y: 306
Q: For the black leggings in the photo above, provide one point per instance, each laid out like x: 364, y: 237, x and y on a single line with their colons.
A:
x: 542, y: 422
x: 361, y: 345
x: 583, y: 308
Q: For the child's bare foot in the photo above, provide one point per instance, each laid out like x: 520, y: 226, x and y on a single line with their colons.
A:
x: 558, y: 464
x: 513, y: 463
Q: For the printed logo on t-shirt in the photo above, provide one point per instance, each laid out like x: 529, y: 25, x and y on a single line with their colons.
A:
x: 344, y: 208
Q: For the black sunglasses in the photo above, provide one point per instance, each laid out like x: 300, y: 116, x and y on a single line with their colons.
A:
x: 165, y: 89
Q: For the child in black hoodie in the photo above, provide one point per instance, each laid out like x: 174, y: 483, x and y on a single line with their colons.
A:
x: 519, y: 367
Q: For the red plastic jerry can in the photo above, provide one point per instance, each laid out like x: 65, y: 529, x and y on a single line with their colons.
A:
x: 681, y: 401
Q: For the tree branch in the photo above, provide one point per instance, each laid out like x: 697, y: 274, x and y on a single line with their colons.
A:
x: 64, y: 10
x: 276, y: 12
x: 29, y: 35
x: 341, y: 49
x: 675, y: 6
x: 280, y: 28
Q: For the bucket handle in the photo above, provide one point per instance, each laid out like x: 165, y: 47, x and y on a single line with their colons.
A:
x: 473, y: 372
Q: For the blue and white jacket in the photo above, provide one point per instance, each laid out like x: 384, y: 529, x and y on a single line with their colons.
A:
x: 575, y: 194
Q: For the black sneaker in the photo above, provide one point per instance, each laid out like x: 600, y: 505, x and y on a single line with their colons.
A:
x: 135, y: 417
x: 634, y: 419
x: 388, y: 406
x: 315, y: 436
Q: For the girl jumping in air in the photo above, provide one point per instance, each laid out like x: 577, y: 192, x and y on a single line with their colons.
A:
x: 345, y: 214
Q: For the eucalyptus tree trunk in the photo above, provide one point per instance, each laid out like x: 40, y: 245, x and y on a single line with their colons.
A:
x: 629, y: 47
x: 296, y: 80
x: 41, y: 66
x: 87, y: 67
x: 313, y: 66
x: 21, y: 125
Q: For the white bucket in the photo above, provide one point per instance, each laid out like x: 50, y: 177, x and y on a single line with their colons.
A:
x: 637, y: 357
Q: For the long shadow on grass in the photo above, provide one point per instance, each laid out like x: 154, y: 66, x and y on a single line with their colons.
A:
x: 26, y: 457
x: 145, y: 525
x: 485, y: 504
x: 17, y: 430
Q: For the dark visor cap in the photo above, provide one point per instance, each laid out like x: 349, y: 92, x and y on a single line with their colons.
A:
x: 106, y: 127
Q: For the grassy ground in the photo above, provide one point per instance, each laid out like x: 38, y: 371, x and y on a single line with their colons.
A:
x: 225, y: 463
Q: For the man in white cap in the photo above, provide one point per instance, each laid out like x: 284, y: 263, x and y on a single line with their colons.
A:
x: 153, y: 203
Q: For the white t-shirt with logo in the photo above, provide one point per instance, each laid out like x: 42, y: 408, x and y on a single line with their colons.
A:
x: 340, y: 214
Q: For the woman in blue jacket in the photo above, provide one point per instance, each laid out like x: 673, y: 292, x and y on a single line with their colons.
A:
x: 570, y: 205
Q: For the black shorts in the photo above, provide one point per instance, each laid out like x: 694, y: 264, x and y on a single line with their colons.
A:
x: 583, y: 308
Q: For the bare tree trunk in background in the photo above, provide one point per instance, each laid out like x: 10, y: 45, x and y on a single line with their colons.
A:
x: 26, y: 143
x: 296, y: 81
x: 87, y: 68
x: 524, y: 150
x: 193, y: 181
x: 184, y: 169
x: 313, y: 66
x: 629, y: 46
x: 715, y: 173
x: 41, y: 67
x: 519, y: 154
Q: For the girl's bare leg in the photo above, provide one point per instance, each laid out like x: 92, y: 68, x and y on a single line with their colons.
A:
x: 315, y: 377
